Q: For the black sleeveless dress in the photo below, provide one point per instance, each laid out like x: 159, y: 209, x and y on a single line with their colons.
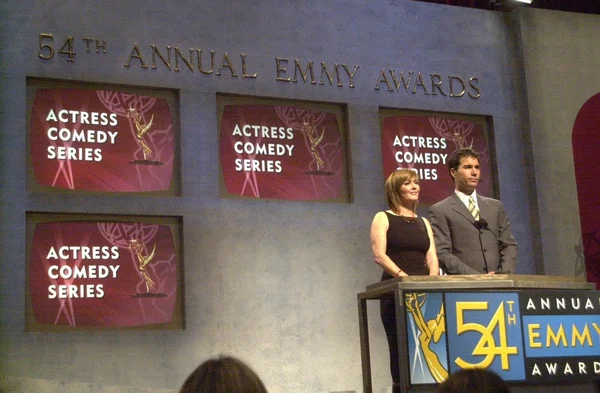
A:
x: 407, y: 245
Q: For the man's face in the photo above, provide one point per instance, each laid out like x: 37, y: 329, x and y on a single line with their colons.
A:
x: 466, y: 177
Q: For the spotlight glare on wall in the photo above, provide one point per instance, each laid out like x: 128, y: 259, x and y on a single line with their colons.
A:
x: 524, y: 1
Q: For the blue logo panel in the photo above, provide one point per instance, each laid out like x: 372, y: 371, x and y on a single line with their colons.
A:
x: 484, y: 331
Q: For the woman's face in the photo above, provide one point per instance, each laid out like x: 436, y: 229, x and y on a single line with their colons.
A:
x: 409, y: 191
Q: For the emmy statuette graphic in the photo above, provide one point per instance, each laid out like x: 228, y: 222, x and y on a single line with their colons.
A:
x: 143, y: 261
x: 141, y: 132
x: 430, y: 331
x: 315, y: 139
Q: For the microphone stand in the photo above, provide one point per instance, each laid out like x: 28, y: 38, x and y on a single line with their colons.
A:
x: 480, y: 225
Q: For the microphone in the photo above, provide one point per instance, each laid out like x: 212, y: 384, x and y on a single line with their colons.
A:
x: 482, y: 224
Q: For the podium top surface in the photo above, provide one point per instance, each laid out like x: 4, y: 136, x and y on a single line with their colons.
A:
x: 478, y: 282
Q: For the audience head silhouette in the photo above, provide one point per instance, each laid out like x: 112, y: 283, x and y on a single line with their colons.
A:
x: 224, y: 374
x: 477, y: 380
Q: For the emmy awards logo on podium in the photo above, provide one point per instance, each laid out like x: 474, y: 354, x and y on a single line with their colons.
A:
x: 314, y: 139
x: 141, y: 132
x: 428, y: 332
x: 143, y: 261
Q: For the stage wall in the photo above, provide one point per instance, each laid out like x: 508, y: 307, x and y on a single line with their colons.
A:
x: 556, y: 95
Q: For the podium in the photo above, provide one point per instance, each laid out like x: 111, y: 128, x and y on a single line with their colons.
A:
x: 512, y: 324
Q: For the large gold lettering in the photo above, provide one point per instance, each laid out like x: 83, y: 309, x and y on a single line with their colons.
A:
x: 187, y: 62
x: 419, y: 82
x: 201, y: 65
x: 405, y: 83
x: 533, y: 335
x: 156, y: 51
x: 304, y: 74
x: 383, y: 79
x: 281, y: 69
x: 556, y: 337
x: 244, y: 68
x: 226, y: 63
x: 334, y: 73
x: 486, y: 346
x: 578, y: 337
x: 135, y: 54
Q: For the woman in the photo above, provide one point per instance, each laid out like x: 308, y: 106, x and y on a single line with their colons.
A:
x: 402, y: 244
x: 225, y: 374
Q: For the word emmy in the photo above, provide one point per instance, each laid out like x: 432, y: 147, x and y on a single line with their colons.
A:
x: 84, y: 134
x: 559, y: 337
x: 84, y: 271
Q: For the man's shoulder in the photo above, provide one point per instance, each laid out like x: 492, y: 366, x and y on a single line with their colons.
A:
x: 442, y: 203
x: 489, y: 200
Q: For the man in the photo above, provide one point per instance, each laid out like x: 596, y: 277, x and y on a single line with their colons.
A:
x: 472, y: 233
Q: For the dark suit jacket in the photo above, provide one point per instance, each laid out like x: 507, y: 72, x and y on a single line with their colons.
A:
x: 457, y: 239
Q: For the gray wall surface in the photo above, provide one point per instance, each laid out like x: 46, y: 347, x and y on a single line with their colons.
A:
x: 271, y: 282
x: 570, y: 43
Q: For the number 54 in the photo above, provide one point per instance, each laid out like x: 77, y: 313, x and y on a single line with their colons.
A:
x: 486, y: 346
x: 46, y: 51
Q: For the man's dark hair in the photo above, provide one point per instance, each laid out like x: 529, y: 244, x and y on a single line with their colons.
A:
x: 459, y: 154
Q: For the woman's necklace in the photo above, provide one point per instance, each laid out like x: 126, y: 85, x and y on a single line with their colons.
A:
x: 409, y: 219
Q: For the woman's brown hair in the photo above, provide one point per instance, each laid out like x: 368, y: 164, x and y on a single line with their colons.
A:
x: 392, y: 187
x: 476, y: 380
x: 224, y: 374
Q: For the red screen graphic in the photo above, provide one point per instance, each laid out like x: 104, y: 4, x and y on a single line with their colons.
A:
x: 281, y: 152
x: 586, y: 149
x: 102, y: 274
x: 101, y: 140
x: 426, y: 143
